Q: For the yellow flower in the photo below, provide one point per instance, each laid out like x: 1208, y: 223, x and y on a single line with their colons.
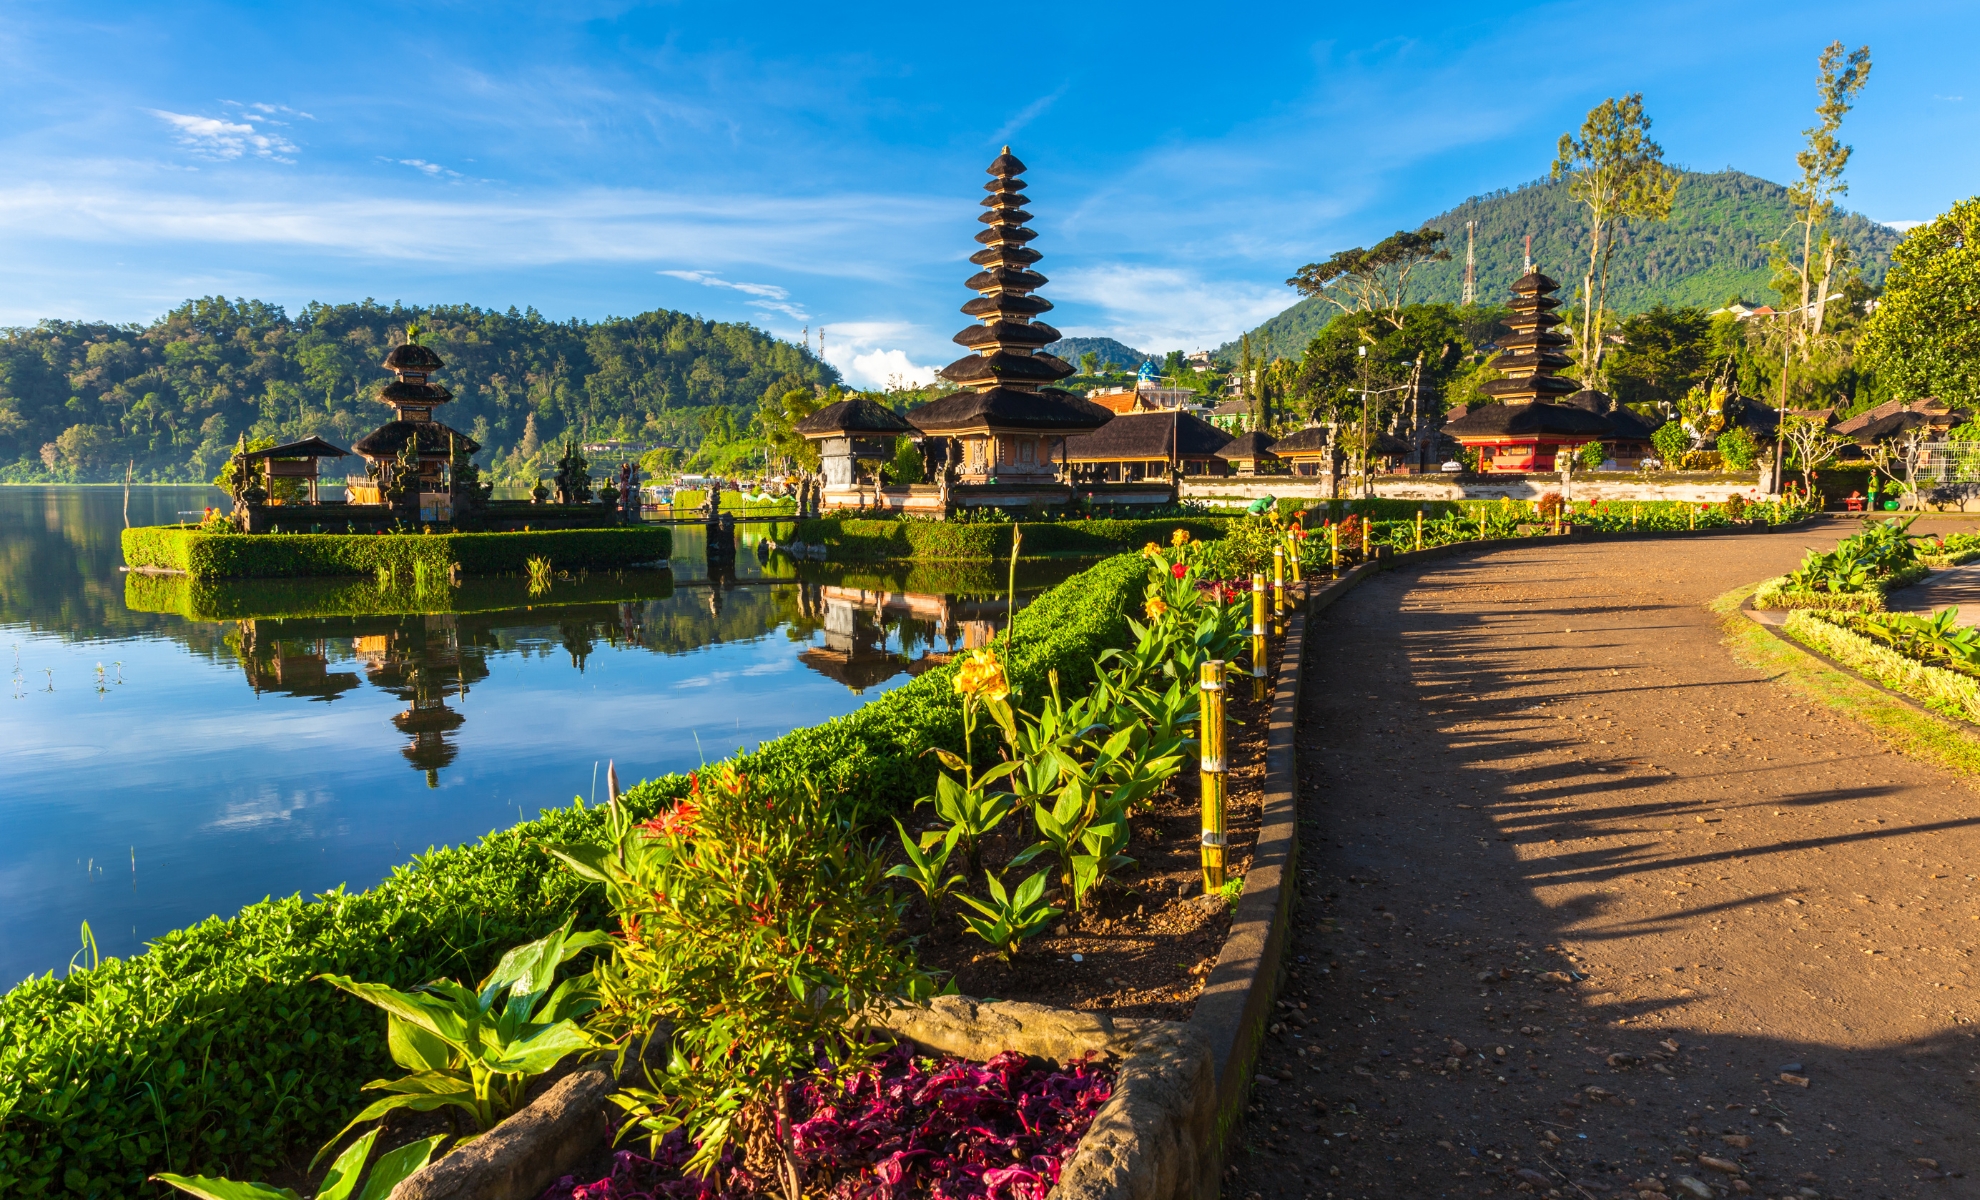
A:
x: 982, y: 675
x: 1155, y: 608
x: 1151, y: 550
x: 1181, y: 538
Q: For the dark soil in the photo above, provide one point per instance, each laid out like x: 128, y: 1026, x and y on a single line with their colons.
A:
x: 1591, y: 908
x: 1151, y: 936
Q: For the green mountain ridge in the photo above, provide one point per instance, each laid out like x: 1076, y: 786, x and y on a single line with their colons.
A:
x: 1124, y: 356
x: 82, y: 401
x: 1713, y: 248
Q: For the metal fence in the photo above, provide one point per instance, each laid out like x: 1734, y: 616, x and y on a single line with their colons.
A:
x: 1949, y: 472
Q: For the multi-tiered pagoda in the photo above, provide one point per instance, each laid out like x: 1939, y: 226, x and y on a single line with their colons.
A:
x: 1002, y: 438
x: 410, y: 455
x: 1526, y: 429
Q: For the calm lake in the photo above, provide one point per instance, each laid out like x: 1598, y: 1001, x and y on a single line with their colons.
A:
x: 172, y: 751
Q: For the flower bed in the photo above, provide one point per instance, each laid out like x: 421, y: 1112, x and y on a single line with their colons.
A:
x: 902, y: 1126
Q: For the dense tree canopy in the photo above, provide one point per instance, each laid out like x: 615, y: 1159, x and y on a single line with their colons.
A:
x: 1924, y: 338
x: 80, y: 400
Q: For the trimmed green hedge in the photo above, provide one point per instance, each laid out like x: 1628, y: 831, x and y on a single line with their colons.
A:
x: 869, y: 540
x: 1936, y: 687
x: 213, y: 1052
x: 238, y: 556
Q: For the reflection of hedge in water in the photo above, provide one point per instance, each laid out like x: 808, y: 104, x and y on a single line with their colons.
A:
x: 240, y: 599
x: 967, y: 580
x: 178, y: 548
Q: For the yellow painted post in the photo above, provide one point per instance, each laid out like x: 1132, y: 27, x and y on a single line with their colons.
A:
x: 1258, y: 650
x: 1211, y: 732
x: 1365, y: 534
x: 1292, y: 552
x: 1278, y: 584
x: 1333, y: 546
x: 1419, y: 529
x: 1694, y: 516
x: 1633, y: 510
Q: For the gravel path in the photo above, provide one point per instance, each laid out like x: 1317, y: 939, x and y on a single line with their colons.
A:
x: 1587, y: 904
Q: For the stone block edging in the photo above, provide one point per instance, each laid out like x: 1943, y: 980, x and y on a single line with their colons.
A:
x: 1235, y: 1008
x: 526, y: 1152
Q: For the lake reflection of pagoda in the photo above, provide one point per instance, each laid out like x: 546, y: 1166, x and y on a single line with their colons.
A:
x: 420, y: 662
x: 855, y: 651
x: 290, y: 666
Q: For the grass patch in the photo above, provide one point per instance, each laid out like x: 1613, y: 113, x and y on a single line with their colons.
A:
x: 1925, y: 736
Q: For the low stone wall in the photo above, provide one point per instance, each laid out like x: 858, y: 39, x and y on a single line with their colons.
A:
x: 1710, y: 489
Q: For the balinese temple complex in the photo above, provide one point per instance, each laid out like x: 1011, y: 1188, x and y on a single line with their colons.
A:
x: 1001, y: 439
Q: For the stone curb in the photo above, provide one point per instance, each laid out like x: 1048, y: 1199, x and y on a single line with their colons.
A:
x: 525, y: 1152
x: 1235, y: 1008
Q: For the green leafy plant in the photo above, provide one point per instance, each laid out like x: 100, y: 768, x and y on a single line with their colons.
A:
x: 755, y: 921
x: 1010, y: 917
x: 927, y: 865
x: 339, y: 1183
x: 478, y: 1050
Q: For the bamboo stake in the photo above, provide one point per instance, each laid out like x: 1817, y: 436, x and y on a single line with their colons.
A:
x: 1292, y: 552
x: 1278, y: 584
x: 1258, y: 636
x: 1419, y: 529
x: 1334, y: 546
x: 1211, y: 732
x: 1365, y: 533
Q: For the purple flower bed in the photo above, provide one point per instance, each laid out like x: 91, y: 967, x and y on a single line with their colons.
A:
x: 900, y: 1127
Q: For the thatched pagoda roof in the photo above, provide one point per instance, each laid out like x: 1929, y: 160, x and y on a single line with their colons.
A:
x: 1047, y: 410
x: 388, y: 439
x: 1249, y: 447
x: 1147, y: 436
x: 855, y: 416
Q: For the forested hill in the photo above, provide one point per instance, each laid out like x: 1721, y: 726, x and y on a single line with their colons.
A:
x: 79, y: 401
x: 1712, y: 249
x: 1107, y: 349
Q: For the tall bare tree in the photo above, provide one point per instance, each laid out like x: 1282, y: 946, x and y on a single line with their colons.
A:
x: 1839, y: 77
x: 1373, y: 279
x: 1618, y: 174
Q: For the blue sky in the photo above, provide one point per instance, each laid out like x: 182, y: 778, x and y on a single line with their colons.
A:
x: 813, y: 165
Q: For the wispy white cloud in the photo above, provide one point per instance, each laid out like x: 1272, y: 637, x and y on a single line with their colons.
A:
x: 710, y: 279
x: 772, y: 298
x: 1902, y: 226
x: 1028, y: 114
x: 431, y: 170
x: 220, y: 140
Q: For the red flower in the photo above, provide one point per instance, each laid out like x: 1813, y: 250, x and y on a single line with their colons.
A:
x: 679, y: 819
x: 1179, y: 570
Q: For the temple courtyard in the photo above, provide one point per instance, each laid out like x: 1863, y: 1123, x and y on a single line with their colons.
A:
x: 1599, y: 897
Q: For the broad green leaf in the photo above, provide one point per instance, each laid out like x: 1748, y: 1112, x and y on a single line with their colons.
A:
x: 951, y: 759
x: 413, y: 1047
x: 434, y: 1016
x: 343, y: 1176
x: 394, y: 1166
x: 225, y: 1189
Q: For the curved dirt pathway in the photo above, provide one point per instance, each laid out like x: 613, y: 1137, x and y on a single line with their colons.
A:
x: 1544, y: 763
